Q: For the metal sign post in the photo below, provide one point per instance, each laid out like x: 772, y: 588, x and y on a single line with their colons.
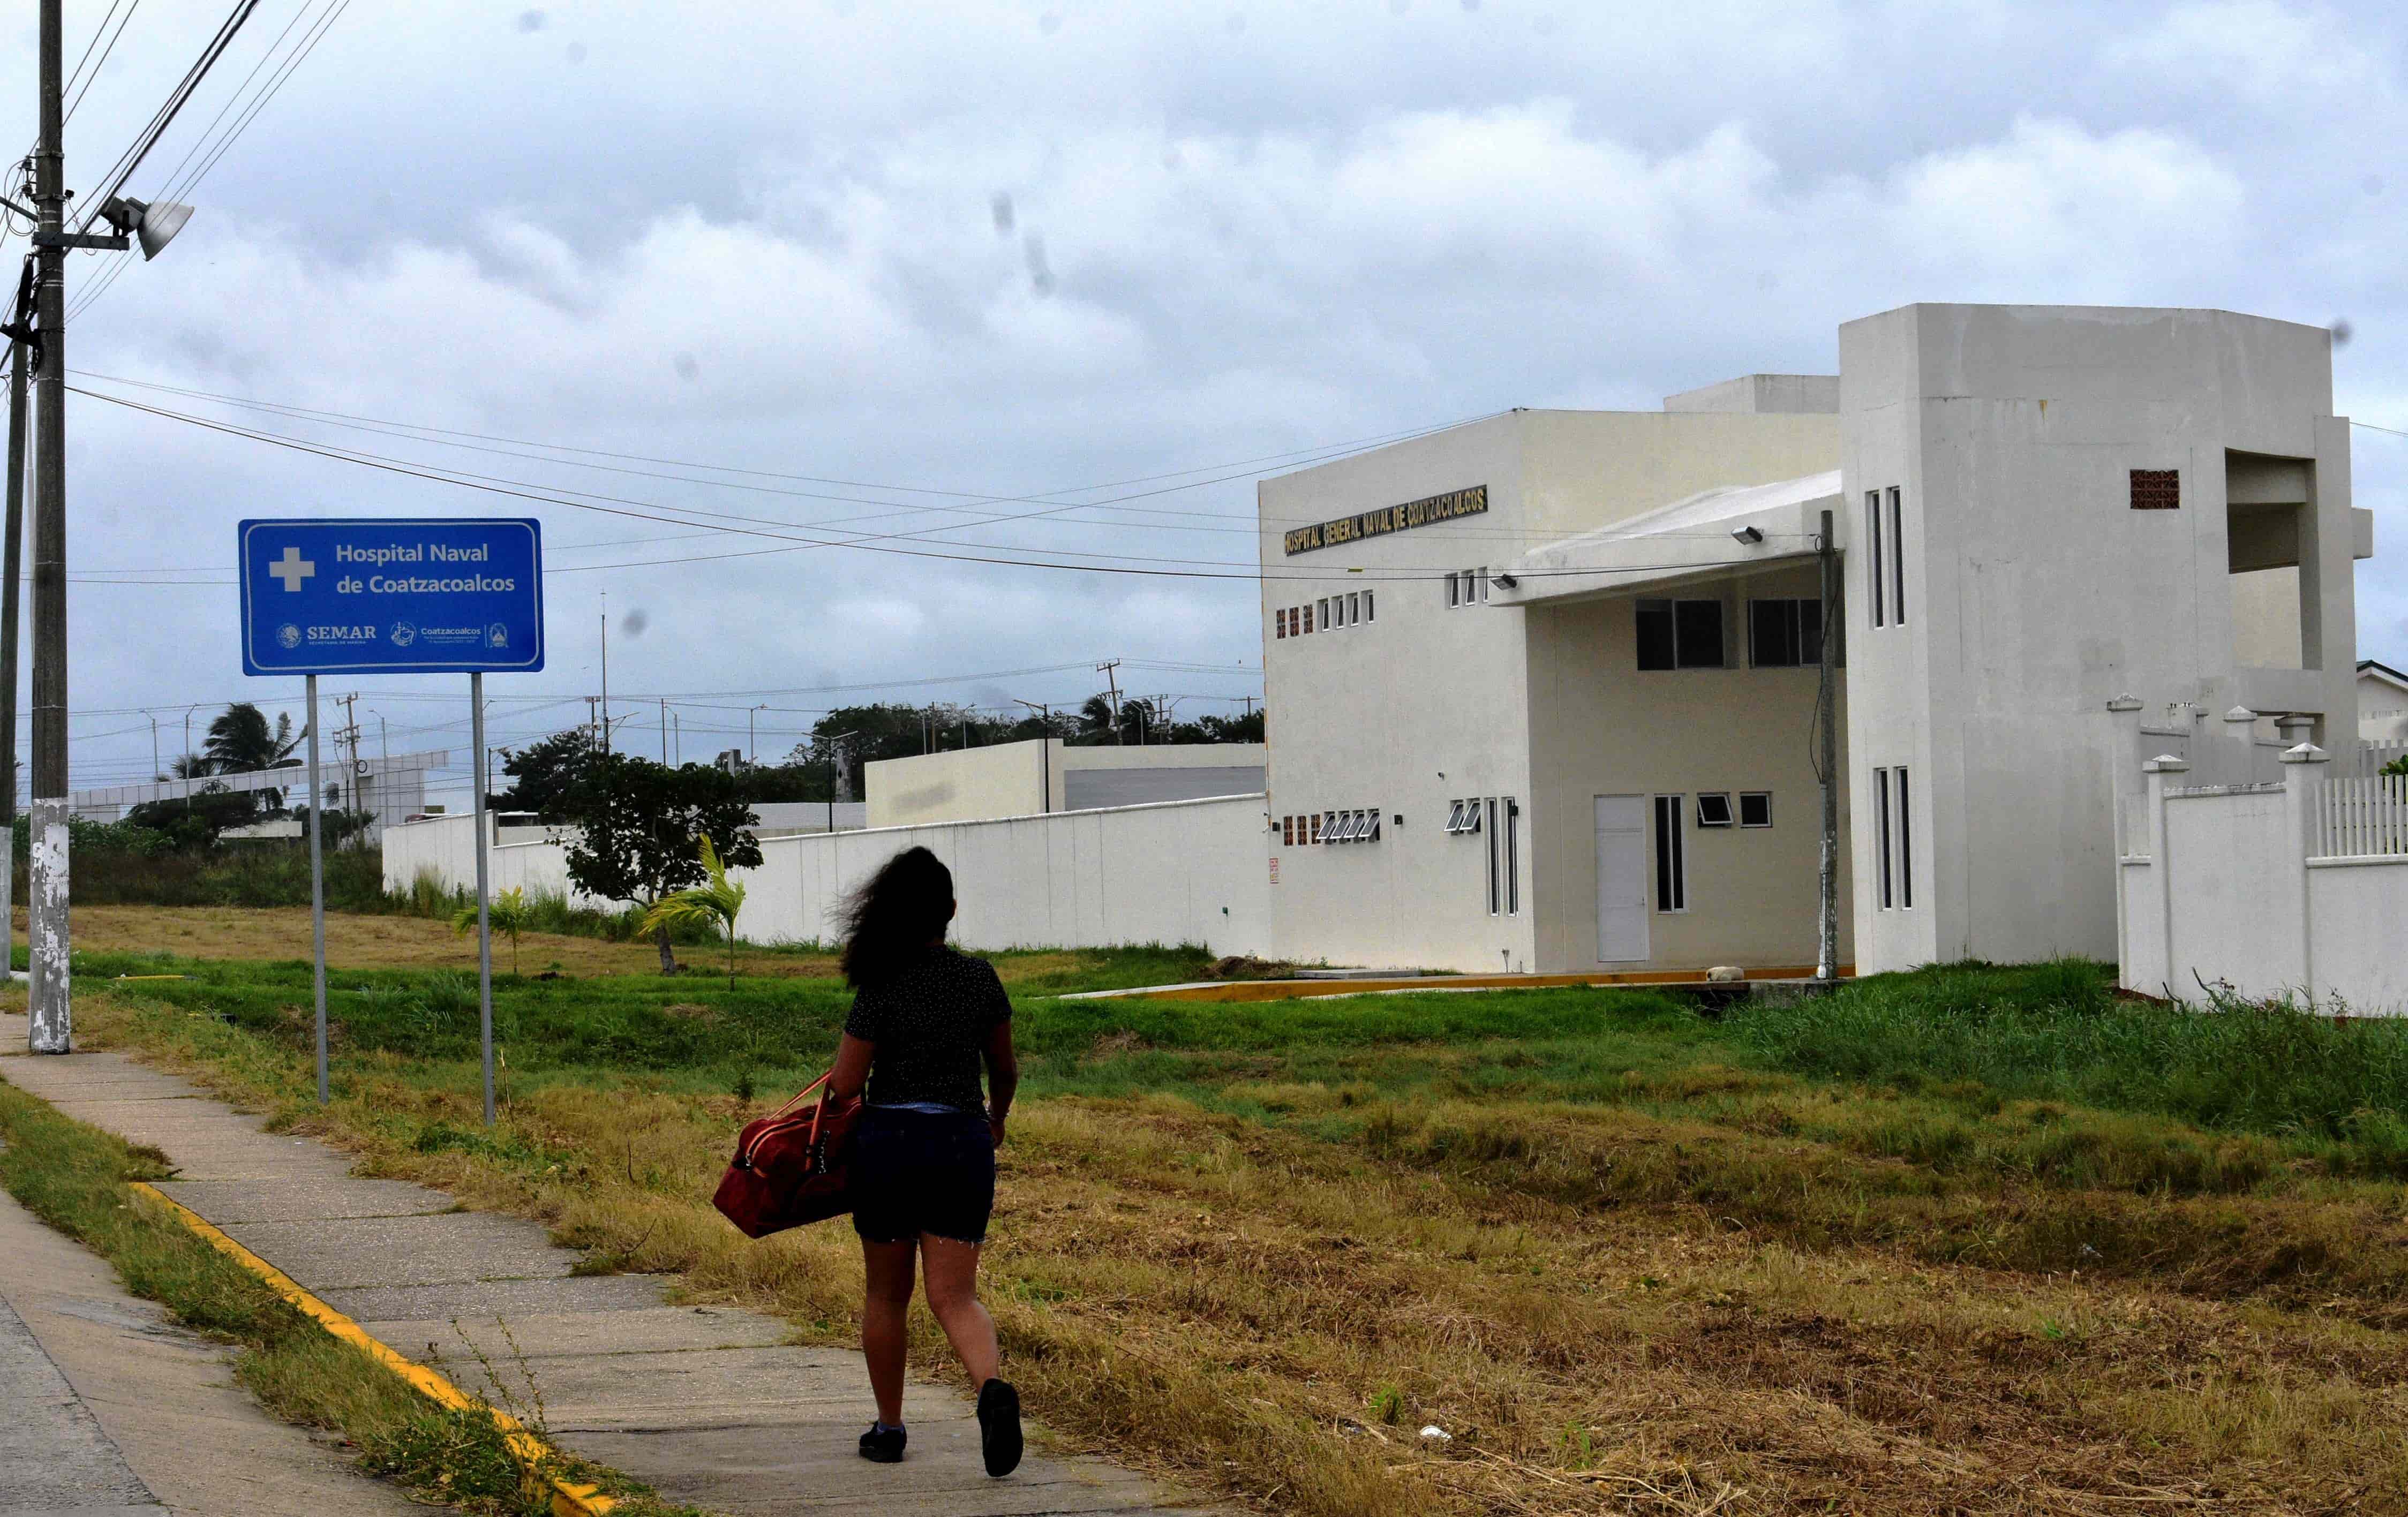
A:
x: 318, y: 887
x: 485, y: 928
x: 395, y: 595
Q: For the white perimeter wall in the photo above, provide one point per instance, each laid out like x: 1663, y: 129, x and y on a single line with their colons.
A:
x: 2239, y: 906
x: 1179, y: 872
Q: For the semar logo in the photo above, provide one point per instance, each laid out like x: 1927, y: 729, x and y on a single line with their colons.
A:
x: 288, y: 635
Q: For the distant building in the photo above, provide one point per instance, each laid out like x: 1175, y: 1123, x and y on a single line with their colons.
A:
x: 1032, y: 777
x: 1547, y: 682
x: 2382, y: 703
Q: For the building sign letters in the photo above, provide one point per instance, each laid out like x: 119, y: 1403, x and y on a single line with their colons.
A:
x: 1472, y: 501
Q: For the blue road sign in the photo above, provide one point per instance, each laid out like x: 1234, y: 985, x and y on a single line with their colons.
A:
x: 392, y: 595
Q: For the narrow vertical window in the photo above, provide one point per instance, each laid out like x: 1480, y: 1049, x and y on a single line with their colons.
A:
x: 1897, y: 566
x: 1280, y: 618
x: 1482, y: 572
x: 1308, y: 618
x: 1672, y: 869
x: 1874, y: 577
x: 1886, y: 886
x: 1368, y: 613
x: 1314, y: 827
x: 1353, y: 607
x: 1493, y: 897
x: 1512, y: 857
x: 1905, y: 847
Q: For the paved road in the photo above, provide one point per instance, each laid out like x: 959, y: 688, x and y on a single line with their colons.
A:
x: 705, y: 1405
x: 111, y: 1409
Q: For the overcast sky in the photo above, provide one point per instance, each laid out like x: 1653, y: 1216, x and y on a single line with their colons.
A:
x: 1009, y: 249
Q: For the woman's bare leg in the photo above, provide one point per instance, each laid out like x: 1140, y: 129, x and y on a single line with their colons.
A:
x: 885, y: 1316
x: 952, y: 1269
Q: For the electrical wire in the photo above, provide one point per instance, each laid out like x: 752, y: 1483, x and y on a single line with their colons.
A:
x: 132, y: 158
x: 408, y: 431
x: 68, y: 114
x: 1053, y: 515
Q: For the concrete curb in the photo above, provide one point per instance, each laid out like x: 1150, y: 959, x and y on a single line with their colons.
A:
x: 568, y: 1498
x: 1334, y: 987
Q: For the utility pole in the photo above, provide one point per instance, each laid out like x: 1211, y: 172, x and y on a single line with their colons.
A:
x: 606, y: 671
x: 1044, y: 751
x: 1826, y: 759
x: 350, y: 735
x: 665, y: 731
x: 751, y: 749
x: 1109, y: 669
x: 591, y: 736
x: 21, y: 354
x: 51, y: 1020
x: 677, y: 731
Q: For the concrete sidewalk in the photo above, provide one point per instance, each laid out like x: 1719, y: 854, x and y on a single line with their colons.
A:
x: 707, y: 1405
x: 112, y: 1409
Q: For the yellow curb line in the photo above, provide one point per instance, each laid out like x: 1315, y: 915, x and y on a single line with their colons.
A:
x: 568, y: 1498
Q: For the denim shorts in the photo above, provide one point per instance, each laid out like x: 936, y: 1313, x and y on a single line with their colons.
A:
x: 916, y: 1172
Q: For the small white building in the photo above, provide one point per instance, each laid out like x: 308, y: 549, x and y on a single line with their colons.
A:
x: 1042, y: 775
x: 2382, y: 703
x: 1542, y: 689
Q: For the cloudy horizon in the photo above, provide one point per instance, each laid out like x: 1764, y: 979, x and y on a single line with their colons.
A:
x: 910, y: 272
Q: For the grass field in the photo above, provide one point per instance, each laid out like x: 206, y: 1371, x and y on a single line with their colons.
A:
x: 1971, y: 1240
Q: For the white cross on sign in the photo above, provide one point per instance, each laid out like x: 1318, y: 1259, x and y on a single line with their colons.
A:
x: 293, y: 568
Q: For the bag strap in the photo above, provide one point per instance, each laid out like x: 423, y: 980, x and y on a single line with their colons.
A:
x: 796, y: 1099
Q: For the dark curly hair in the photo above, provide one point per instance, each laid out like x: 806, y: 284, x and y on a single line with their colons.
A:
x: 894, y: 914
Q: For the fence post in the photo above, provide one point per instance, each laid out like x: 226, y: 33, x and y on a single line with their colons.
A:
x: 2161, y: 864
x: 2240, y: 750
x: 2123, y: 775
x: 2302, y: 787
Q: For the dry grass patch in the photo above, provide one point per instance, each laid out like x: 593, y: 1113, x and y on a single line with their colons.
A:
x: 1276, y: 1315
x: 366, y: 942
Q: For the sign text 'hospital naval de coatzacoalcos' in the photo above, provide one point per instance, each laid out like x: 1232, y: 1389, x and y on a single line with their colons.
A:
x: 1427, y: 511
x: 427, y: 596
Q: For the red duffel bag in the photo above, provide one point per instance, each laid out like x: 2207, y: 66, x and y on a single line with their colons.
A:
x: 790, y: 1167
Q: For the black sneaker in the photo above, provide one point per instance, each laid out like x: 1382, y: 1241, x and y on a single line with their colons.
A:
x: 999, y: 1415
x: 883, y: 1445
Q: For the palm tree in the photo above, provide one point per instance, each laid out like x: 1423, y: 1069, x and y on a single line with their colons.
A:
x: 506, y: 913
x: 712, y: 905
x: 241, y: 742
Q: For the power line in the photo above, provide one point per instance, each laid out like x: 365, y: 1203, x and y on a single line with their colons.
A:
x: 104, y: 55
x: 132, y: 158
x: 1137, y: 566
x: 1251, y: 526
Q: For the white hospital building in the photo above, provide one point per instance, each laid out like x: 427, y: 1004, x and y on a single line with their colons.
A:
x: 1544, y: 692
x: 1544, y: 688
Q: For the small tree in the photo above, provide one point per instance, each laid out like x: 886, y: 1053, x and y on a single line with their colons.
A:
x: 711, y: 904
x: 506, y: 913
x: 640, y: 828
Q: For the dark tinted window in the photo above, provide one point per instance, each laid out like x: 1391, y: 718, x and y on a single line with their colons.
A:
x: 1656, y: 634
x: 1697, y: 634
x: 1785, y: 633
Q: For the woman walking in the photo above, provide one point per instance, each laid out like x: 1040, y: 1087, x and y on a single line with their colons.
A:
x: 924, y: 1019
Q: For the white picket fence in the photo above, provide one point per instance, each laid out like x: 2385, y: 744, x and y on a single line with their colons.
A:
x: 2358, y: 819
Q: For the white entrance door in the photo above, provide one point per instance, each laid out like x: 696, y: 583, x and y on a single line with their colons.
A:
x: 1621, y: 879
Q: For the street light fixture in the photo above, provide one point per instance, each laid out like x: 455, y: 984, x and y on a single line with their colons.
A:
x: 152, y: 225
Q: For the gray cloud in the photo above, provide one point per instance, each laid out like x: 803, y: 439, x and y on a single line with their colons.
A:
x: 771, y: 237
